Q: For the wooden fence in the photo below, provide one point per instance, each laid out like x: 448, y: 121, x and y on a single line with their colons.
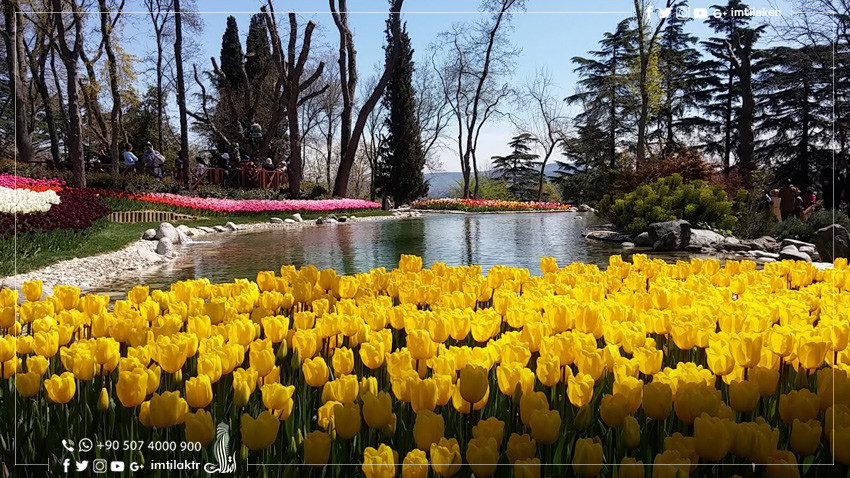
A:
x: 149, y: 216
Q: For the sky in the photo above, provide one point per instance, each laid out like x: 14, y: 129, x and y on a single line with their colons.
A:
x: 549, y: 33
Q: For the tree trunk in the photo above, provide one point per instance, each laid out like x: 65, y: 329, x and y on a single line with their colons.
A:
x: 159, y: 90
x: 746, y: 137
x: 69, y: 57
x: 727, y: 122
x: 295, y: 168
x: 115, y: 114
x: 181, y: 93
x: 14, y: 40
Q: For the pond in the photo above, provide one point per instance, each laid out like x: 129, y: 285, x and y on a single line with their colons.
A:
x: 516, y: 239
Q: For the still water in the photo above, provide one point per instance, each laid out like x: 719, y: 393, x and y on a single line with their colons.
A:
x: 487, y: 239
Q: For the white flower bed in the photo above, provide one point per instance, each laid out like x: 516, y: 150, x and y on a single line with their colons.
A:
x: 24, y: 201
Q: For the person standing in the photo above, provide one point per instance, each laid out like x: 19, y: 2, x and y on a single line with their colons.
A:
x: 130, y: 159
x: 788, y: 199
x: 809, y: 200
x: 774, y: 204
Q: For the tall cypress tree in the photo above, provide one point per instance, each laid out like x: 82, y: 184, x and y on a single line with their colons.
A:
x: 605, y: 88
x: 257, y: 50
x: 231, y: 55
x: 403, y: 155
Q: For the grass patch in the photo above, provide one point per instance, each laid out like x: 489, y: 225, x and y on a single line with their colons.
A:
x: 37, y: 250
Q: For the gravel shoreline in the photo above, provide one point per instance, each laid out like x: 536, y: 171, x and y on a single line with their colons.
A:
x: 91, y: 272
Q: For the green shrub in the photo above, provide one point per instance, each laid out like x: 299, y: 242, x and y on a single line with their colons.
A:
x: 792, y: 228
x: 668, y: 199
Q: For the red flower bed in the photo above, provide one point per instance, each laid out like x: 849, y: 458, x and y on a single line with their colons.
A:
x: 78, y: 209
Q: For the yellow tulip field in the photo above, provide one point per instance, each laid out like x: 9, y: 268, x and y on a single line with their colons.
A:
x: 642, y: 369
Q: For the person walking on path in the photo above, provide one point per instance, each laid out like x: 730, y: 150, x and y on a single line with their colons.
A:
x: 774, y: 204
x: 787, y: 199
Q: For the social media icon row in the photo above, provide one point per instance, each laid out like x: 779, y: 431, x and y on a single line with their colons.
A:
x: 683, y: 12
x: 98, y: 466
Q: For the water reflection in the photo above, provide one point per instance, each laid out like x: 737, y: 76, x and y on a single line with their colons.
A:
x: 486, y: 239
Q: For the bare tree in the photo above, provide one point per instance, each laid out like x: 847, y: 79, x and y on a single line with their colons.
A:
x: 13, y: 37
x: 330, y: 106
x: 541, y: 113
x: 181, y: 92
x: 160, y: 11
x: 107, y: 26
x: 647, y: 43
x: 350, y: 134
x: 37, y: 56
x: 373, y: 135
x: 474, y: 58
x: 70, y: 55
x: 290, y: 67
x: 432, y: 113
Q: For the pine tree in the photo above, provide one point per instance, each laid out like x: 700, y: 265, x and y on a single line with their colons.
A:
x: 720, y: 134
x: 231, y: 55
x: 585, y: 176
x: 403, y: 155
x: 257, y: 50
x: 795, y: 124
x: 605, y: 90
x: 684, y: 85
x: 519, y: 169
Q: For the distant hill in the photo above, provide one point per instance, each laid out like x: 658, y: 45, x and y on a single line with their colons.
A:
x: 441, y: 182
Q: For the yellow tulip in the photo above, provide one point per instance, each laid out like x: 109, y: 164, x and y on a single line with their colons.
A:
x: 427, y: 429
x: 670, y: 464
x: 713, y: 437
x: 799, y: 404
x: 474, y: 382
x: 423, y: 395
x: 315, y: 371
x: 614, y: 409
x: 631, y: 468
x: 631, y: 432
x: 528, y: 403
x: 445, y: 457
x: 278, y: 399
x: 379, y: 463
x: 520, y: 447
x: 545, y: 426
x: 587, y: 457
x: 482, y: 454
x: 32, y: 290
x: 490, y: 428
x: 167, y: 409
x: 103, y: 400
x: 415, y: 464
x: 258, y: 434
x: 580, y: 389
x: 805, y: 437
x: 199, y: 391
x: 782, y: 464
x: 549, y: 370
x: 37, y: 364
x: 743, y: 395
x: 767, y: 380
x: 27, y: 384
x: 199, y: 427
x: 529, y: 468
x: 343, y: 361
x: 61, y: 388
x: 346, y: 419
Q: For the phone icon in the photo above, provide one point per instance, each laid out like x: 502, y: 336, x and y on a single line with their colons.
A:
x: 68, y: 445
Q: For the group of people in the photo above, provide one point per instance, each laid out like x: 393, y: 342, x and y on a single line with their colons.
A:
x: 152, y: 162
x: 236, y: 172
x: 788, y: 201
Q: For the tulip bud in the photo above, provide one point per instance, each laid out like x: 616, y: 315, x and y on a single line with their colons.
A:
x: 801, y: 381
x: 631, y: 432
x: 103, y: 400
x: 282, y: 351
x: 388, y: 431
x: 241, y: 393
x: 243, y: 453
x: 178, y: 376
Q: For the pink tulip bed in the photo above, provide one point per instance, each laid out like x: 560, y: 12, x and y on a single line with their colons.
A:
x: 254, y: 205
